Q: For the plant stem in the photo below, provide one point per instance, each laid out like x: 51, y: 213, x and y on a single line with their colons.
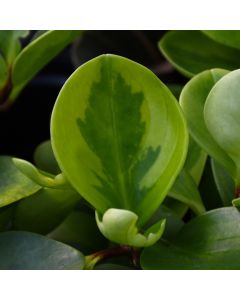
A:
x: 93, y: 259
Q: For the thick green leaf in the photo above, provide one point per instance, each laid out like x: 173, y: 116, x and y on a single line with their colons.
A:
x: 221, y: 114
x: 192, y: 101
x: 37, y: 54
x: 127, y: 140
x: 44, y: 158
x: 210, y: 241
x: 30, y: 251
x: 44, y: 210
x: 195, y: 161
x: 224, y: 183
x: 185, y: 190
x: 80, y: 230
x: 179, y: 208
x: 229, y: 38
x: 42, y: 178
x: 9, y: 43
x: 13, y: 184
x: 192, y: 52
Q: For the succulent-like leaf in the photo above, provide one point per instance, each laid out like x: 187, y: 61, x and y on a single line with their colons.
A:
x: 41, y: 178
x: 221, y: 114
x: 29, y: 251
x: 210, y: 241
x: 120, y: 226
x: 44, y: 210
x: 192, y: 52
x: 37, y: 54
x: 14, y: 185
x: 9, y: 43
x: 118, y: 135
x: 192, y: 101
x: 229, y: 38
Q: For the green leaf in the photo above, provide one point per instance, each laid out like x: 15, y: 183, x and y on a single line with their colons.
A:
x: 13, y: 184
x: 210, y: 241
x: 29, y: 251
x: 191, y: 52
x: 179, y: 208
x: 173, y: 221
x: 9, y: 43
x: 127, y: 140
x: 224, y: 183
x: 185, y: 188
x: 186, y: 191
x: 45, y: 159
x: 44, y: 210
x: 222, y: 118
x: 37, y: 54
x: 208, y: 189
x: 80, y: 230
x: 119, y: 226
x: 192, y: 101
x: 3, y: 73
x: 195, y: 161
x: 229, y: 38
x: 41, y: 178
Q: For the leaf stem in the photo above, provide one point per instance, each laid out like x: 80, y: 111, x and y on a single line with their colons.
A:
x: 93, y: 259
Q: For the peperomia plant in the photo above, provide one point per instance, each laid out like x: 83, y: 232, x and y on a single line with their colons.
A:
x: 125, y: 181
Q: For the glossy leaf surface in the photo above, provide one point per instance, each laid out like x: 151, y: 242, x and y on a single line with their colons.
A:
x: 44, y: 210
x: 29, y: 251
x: 229, y: 38
x: 210, y: 241
x: 127, y: 140
x: 13, y: 184
x: 192, y: 52
x: 192, y: 101
x: 37, y: 54
x: 221, y: 115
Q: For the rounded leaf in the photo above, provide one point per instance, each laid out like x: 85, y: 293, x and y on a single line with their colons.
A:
x: 192, y: 101
x: 191, y: 52
x: 14, y: 185
x: 118, y: 135
x: 229, y: 38
x: 29, y: 251
x: 210, y: 241
x: 221, y: 115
